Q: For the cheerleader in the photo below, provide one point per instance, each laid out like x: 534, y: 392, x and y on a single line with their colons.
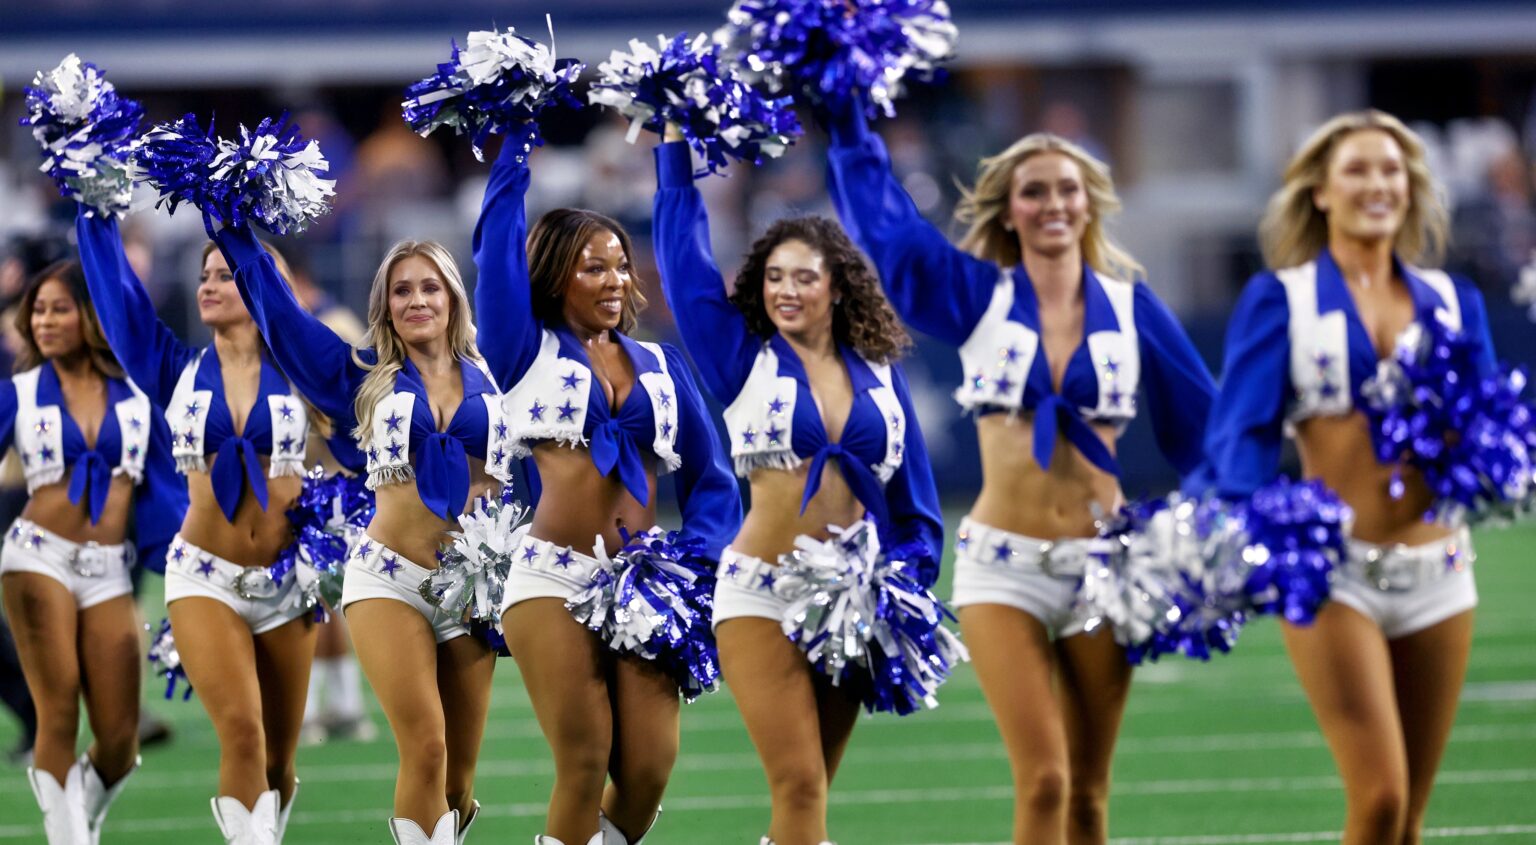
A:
x: 94, y: 460
x: 602, y: 416
x: 1383, y: 662
x: 418, y: 399
x: 1055, y: 338
x: 238, y: 434
x: 821, y: 423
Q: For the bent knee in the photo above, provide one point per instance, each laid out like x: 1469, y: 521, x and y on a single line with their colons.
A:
x: 1043, y: 789
x: 1381, y: 808
x: 799, y: 787
x: 425, y: 752
x: 1088, y: 810
x: 242, y: 736
x: 644, y: 782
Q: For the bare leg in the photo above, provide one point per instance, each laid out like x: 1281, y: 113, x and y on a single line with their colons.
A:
x: 837, y: 711
x: 219, y: 654
x: 464, y: 667
x: 1428, y: 668
x: 283, y: 658
x: 1095, y: 680
x: 43, y: 621
x: 645, y: 742
x: 109, y: 662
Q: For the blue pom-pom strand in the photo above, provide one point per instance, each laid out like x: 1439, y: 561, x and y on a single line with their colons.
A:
x: 837, y: 51
x: 655, y: 599
x: 684, y: 83
x: 498, y: 84
x: 1471, y: 436
x: 87, y: 132
x: 270, y: 176
x: 1288, y: 538
x: 167, y: 661
x: 864, y: 619
x: 332, y: 511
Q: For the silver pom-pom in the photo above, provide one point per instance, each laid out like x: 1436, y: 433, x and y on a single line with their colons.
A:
x: 471, y: 579
x: 88, y: 134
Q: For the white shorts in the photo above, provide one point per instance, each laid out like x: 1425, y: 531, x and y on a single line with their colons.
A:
x: 744, y: 588
x: 1039, y: 577
x: 543, y: 570
x: 92, y: 573
x: 374, y: 571
x: 1407, y: 589
x: 247, y: 590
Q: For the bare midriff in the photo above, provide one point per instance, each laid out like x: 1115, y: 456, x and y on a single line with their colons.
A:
x: 578, y: 504
x: 408, y: 528
x: 1337, y: 450
x: 775, y: 520
x: 1021, y: 496
x: 255, y: 536
x: 50, y: 509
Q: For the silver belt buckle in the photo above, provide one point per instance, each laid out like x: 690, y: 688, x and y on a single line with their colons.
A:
x: 89, y: 560
x: 1044, y: 561
x: 254, y: 584
x: 1376, y: 571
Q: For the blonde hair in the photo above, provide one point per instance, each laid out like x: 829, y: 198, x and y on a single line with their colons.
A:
x: 386, y: 343
x: 1294, y: 230
x: 984, y: 207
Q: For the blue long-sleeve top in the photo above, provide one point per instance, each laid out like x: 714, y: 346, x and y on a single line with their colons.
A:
x: 552, y: 395
x: 1131, y: 341
x: 187, y: 384
x: 771, y: 412
x: 1296, y: 348
x: 403, y: 442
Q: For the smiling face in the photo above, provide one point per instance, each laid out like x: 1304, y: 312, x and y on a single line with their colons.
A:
x: 419, y: 304
x: 594, y: 296
x: 797, y: 289
x: 56, y: 321
x: 1365, y: 192
x: 1048, y: 204
x: 218, y: 299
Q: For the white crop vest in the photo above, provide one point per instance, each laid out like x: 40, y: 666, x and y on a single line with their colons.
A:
x: 39, y: 433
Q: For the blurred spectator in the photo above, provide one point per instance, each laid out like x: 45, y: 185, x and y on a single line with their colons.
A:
x: 1494, y: 229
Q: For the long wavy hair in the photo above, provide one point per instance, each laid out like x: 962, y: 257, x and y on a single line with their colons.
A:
x: 1294, y: 230
x: 863, y: 319
x: 385, y: 341
x: 70, y: 274
x: 554, y: 251
x: 983, y: 207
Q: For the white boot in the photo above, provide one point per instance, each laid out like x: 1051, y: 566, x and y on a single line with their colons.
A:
x: 407, y: 832
x: 256, y: 826
x: 63, y: 813
x: 474, y: 813
x: 597, y: 839
x: 95, y: 797
x: 616, y: 836
x: 284, y: 813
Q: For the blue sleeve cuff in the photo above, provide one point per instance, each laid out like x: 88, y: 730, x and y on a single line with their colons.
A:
x: 847, y: 126
x: 674, y: 165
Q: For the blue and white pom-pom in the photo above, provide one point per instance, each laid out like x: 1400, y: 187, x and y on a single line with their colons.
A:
x: 471, y: 577
x: 270, y: 176
x: 330, y: 513
x: 498, y: 84
x: 87, y: 132
x: 834, y: 51
x: 655, y: 599
x: 862, y: 617
x: 167, y: 660
x: 1287, y: 539
x: 1471, y: 436
x: 685, y: 83
x: 1141, y: 582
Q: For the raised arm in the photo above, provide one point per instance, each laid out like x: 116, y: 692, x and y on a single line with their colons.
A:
x: 707, y: 493
x: 1179, y: 389
x: 317, y: 360
x: 1242, y: 438
x: 712, y: 328
x: 149, y: 351
x: 8, y: 407
x: 936, y: 287
x: 911, y: 495
x: 509, y: 336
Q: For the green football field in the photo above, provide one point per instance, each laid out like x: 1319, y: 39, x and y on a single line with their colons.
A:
x: 1224, y: 752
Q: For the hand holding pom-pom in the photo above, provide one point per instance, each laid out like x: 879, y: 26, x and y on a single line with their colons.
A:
x: 685, y: 85
x: 167, y: 660
x: 330, y: 513
x: 472, y: 577
x: 498, y: 84
x: 271, y: 176
x: 837, y: 51
x: 87, y: 133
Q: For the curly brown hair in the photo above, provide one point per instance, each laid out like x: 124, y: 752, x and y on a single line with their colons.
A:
x: 70, y: 274
x: 863, y: 319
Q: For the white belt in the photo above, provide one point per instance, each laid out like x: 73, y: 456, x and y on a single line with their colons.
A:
x: 544, y: 556
x: 1057, y: 558
x: 1399, y: 568
x: 88, y: 560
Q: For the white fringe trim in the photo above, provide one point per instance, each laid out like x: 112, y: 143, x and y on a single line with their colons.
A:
x: 136, y: 474
x: 189, y: 463
x: 670, y: 463
x: 286, y: 468
x: 42, y: 478
x: 784, y: 459
x: 385, y: 476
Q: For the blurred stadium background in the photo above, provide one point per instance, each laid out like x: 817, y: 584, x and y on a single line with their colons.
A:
x: 1195, y: 103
